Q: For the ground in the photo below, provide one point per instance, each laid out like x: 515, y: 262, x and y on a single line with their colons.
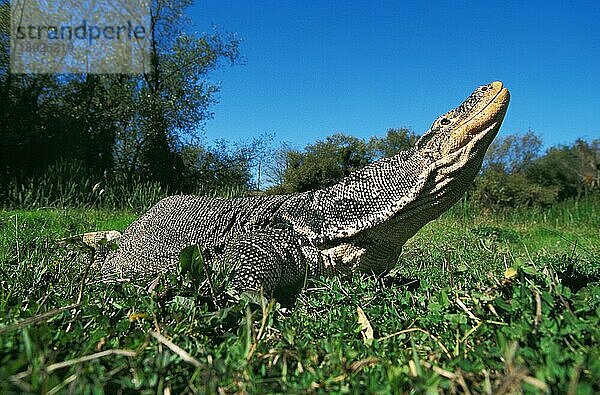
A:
x: 479, y: 303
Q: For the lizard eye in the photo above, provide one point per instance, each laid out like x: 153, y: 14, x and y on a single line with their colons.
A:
x: 445, y: 121
x: 484, y: 88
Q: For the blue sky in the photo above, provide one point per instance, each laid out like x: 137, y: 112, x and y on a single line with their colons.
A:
x: 360, y: 67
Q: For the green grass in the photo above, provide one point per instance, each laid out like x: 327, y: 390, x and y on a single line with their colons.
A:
x: 447, y: 319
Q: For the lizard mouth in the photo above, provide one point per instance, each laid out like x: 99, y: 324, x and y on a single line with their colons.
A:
x: 493, y: 107
x: 483, y: 121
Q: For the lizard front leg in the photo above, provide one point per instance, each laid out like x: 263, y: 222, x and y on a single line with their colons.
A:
x: 271, y: 262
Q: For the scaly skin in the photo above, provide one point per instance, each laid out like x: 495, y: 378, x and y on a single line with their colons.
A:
x: 273, y: 243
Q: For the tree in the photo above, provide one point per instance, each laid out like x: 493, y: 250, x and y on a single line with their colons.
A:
x: 50, y: 118
x: 395, y: 140
x: 217, y: 168
x: 275, y: 169
x: 514, y: 152
x: 173, y: 98
x: 515, y: 174
x: 136, y: 125
x: 574, y: 169
x: 496, y: 188
x: 324, y: 163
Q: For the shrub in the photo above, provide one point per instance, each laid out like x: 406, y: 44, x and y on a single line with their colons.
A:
x: 496, y: 188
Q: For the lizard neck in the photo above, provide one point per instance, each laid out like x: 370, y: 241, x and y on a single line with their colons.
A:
x: 371, y: 195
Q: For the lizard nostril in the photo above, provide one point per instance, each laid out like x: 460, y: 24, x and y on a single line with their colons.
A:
x: 445, y: 121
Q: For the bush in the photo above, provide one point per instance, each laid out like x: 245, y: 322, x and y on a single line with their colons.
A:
x: 324, y: 163
x: 496, y: 188
x: 515, y: 174
x: 574, y: 169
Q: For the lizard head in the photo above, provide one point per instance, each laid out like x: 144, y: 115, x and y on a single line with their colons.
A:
x: 467, y: 130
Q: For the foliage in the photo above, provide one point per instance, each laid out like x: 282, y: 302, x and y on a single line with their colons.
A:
x: 395, y: 140
x: 513, y: 153
x: 175, y: 95
x: 135, y: 125
x: 515, y: 174
x: 574, y: 169
x: 225, y: 164
x: 325, y: 162
x: 450, y: 318
x: 276, y: 167
x: 496, y: 188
